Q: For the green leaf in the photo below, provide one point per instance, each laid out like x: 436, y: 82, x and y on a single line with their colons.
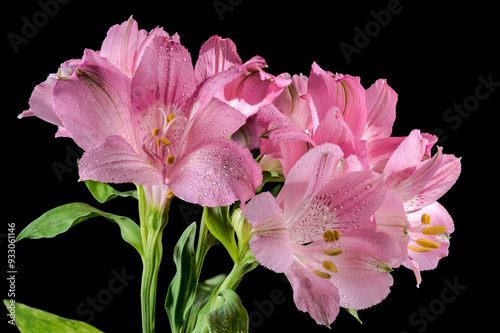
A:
x: 32, y: 320
x: 103, y: 192
x: 230, y: 317
x: 62, y: 218
x: 218, y: 222
x: 203, y: 293
x: 354, y: 313
x: 270, y: 177
x: 182, y: 289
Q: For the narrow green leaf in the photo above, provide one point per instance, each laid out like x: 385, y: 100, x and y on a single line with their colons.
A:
x: 269, y: 177
x: 60, y: 219
x: 203, y: 293
x: 354, y: 313
x: 103, y: 192
x: 32, y: 320
x: 230, y: 317
x: 217, y: 221
x: 182, y: 289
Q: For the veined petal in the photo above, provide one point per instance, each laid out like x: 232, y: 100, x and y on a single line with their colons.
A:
x: 215, y: 120
x: 410, y: 188
x: 309, y: 175
x: 317, y: 296
x: 94, y: 102
x: 270, y: 243
x: 251, y: 91
x: 391, y: 218
x: 343, y: 204
x: 115, y: 161
x: 363, y: 278
x: 405, y: 157
x: 280, y: 128
x: 41, y: 103
x: 121, y: 44
x: 343, y: 91
x: 381, y: 102
x: 292, y: 103
x: 439, y: 216
x: 380, y: 150
x: 442, y: 180
x: 217, y: 172
x: 163, y: 80
x: 216, y: 55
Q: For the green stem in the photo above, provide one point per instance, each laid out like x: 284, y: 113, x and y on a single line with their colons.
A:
x: 153, y: 219
x: 232, y: 281
x: 151, y: 264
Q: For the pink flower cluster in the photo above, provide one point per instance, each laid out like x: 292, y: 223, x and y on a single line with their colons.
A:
x: 356, y: 203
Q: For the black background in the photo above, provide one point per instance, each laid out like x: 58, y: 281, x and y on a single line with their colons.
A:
x: 432, y: 55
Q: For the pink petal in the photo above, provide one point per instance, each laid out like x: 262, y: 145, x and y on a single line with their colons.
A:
x: 381, y: 110
x: 442, y: 180
x: 94, y: 102
x: 405, y: 158
x: 249, y: 134
x: 343, y: 91
x: 439, y: 217
x: 125, y: 43
x: 285, y: 140
x: 41, y: 103
x: 270, y: 243
x: 363, y: 276
x: 292, y: 103
x: 163, y: 80
x: 115, y: 161
x: 215, y: 120
x: 344, y: 204
x: 309, y: 175
x: 332, y: 128
x: 317, y: 296
x: 391, y: 218
x: 218, y: 172
x: 380, y: 150
x: 121, y: 44
x: 216, y: 55
x: 410, y: 189
x: 211, y: 88
x: 280, y: 127
x: 253, y: 90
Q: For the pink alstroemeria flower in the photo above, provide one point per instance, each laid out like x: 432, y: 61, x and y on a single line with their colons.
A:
x: 249, y: 91
x: 123, y: 47
x: 327, y: 107
x: 147, y: 121
x: 318, y: 232
x: 416, y: 179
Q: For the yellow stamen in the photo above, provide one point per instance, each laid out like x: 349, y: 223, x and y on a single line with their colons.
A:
x: 332, y: 252
x: 170, y: 117
x: 158, y: 143
x: 426, y: 219
x: 170, y: 194
x: 330, y: 266
x: 155, y: 131
x: 433, y: 230
x: 419, y: 249
x: 427, y: 243
x: 331, y: 236
x: 322, y: 274
x: 166, y: 142
x: 170, y: 159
